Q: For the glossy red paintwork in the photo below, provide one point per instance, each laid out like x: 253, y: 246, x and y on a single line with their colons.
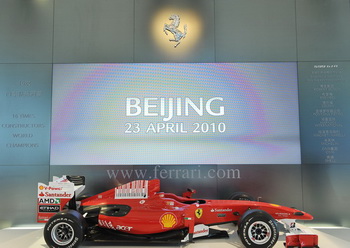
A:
x: 160, y: 212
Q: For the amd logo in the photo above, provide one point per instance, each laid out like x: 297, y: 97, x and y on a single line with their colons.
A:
x: 49, y: 201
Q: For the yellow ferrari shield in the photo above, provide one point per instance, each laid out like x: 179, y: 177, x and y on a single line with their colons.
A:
x: 199, y: 212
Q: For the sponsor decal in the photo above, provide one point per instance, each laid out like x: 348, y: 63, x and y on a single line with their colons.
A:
x: 200, y: 230
x: 49, y: 208
x: 169, y: 203
x: 109, y: 225
x: 49, y: 200
x: 199, y: 213
x: 133, y: 190
x: 283, y: 214
x: 221, y: 215
x: 53, y: 195
x: 168, y: 220
x: 49, y: 188
x: 214, y: 210
x: 56, y: 190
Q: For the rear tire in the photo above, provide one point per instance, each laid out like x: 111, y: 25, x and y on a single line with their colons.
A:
x: 257, y: 229
x: 65, y: 229
x: 242, y: 196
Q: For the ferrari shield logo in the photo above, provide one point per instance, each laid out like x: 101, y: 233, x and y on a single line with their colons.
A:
x: 199, y: 212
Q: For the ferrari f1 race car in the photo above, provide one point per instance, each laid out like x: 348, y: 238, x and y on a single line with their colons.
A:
x: 138, y: 211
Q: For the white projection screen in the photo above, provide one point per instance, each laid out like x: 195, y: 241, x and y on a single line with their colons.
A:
x: 205, y: 113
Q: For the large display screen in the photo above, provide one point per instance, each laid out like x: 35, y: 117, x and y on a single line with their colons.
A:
x: 235, y: 113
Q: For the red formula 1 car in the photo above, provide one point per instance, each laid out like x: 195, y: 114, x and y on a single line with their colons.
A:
x: 138, y: 211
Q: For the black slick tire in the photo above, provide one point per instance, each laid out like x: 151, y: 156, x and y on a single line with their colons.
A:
x: 242, y: 196
x: 66, y: 229
x: 257, y: 229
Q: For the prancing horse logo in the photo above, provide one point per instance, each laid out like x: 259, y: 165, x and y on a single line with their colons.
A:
x: 173, y: 28
x: 199, y: 213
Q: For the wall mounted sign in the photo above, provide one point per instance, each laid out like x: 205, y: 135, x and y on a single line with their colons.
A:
x: 173, y: 28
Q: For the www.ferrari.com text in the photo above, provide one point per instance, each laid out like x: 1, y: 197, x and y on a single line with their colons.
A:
x: 161, y: 172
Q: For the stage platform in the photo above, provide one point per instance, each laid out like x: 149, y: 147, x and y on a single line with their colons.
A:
x: 32, y: 237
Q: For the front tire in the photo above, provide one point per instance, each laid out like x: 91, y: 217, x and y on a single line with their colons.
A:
x: 257, y: 229
x: 65, y: 229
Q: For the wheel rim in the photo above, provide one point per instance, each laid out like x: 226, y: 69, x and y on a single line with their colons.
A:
x: 62, y: 233
x: 259, y: 232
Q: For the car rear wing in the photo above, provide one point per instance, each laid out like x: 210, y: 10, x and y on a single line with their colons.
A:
x: 59, y: 194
